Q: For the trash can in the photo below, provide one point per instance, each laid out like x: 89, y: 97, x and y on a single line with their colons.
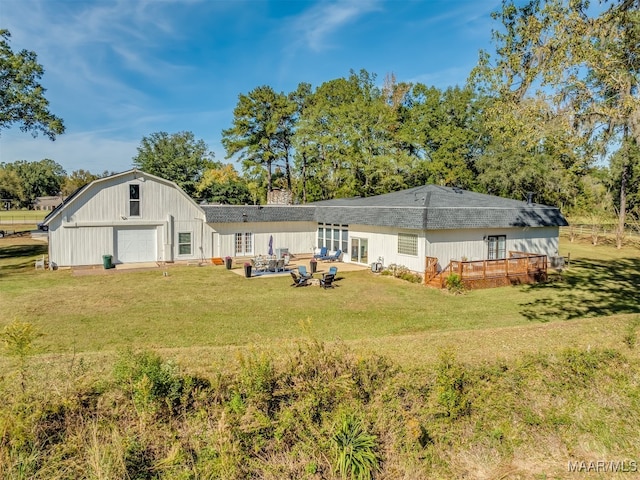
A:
x: 313, y: 265
x: 227, y: 262
x: 106, y: 262
x: 247, y: 270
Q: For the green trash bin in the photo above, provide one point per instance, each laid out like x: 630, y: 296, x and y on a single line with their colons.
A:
x: 106, y: 261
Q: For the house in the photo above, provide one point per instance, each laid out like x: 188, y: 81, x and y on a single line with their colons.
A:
x: 132, y: 216
x: 48, y: 203
x: 137, y: 217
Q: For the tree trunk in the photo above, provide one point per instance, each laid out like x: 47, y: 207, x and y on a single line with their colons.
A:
x: 623, y: 203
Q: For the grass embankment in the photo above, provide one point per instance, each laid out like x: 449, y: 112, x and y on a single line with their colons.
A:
x: 503, y: 383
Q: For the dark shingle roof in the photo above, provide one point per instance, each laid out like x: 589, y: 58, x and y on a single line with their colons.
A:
x: 429, y: 207
x: 258, y: 213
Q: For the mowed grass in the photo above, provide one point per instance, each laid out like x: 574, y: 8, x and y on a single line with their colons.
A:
x: 20, y: 220
x: 202, y: 307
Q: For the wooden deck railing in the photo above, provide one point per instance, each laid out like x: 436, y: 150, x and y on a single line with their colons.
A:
x: 520, y: 267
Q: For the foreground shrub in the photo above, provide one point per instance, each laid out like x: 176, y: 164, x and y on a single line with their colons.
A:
x: 154, y: 384
x: 455, y: 284
x: 355, y: 456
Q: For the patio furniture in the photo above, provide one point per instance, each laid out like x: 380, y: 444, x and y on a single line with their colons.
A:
x: 333, y: 271
x: 327, y: 281
x: 40, y: 263
x: 298, y: 281
x: 332, y: 256
x: 302, y: 270
x: 271, y: 266
x: 280, y: 265
x: 319, y: 253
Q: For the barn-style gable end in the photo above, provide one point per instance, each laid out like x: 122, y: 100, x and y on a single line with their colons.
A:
x: 131, y: 216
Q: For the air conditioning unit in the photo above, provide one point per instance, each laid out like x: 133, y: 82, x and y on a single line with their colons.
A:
x: 557, y: 262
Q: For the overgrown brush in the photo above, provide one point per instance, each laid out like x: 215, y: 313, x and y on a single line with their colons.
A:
x: 323, y: 411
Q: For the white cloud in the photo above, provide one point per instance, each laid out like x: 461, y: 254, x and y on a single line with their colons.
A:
x: 319, y: 22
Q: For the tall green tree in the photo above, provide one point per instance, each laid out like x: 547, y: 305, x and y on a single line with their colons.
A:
x: 37, y: 179
x: 224, y: 185
x: 438, y: 130
x: 584, y: 60
x: 77, y: 179
x: 347, y: 131
x: 178, y: 157
x: 22, y: 99
x: 261, y: 135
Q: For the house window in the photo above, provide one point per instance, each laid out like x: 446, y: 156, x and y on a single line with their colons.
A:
x: 184, y: 243
x: 497, y: 247
x: 408, y: 244
x: 334, y: 237
x: 244, y: 243
x: 134, y: 200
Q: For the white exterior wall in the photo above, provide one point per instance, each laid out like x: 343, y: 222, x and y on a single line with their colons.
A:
x: 298, y: 237
x: 447, y: 245
x: 87, y: 227
x: 383, y: 242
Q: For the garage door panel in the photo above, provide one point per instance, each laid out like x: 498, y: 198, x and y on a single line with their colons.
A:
x: 136, y: 245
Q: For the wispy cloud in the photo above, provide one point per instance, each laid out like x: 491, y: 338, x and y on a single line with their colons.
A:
x: 323, y: 19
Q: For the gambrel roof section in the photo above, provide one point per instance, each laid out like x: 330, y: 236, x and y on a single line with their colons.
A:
x: 432, y: 207
x: 133, y: 173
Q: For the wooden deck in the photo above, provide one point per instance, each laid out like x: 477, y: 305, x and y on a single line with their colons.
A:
x: 520, y: 267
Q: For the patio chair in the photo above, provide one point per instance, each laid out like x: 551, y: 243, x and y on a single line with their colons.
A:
x: 280, y: 265
x: 298, y: 281
x: 40, y: 263
x: 327, y: 281
x: 333, y: 271
x: 272, y: 265
x: 302, y: 270
x: 321, y: 253
x: 332, y: 258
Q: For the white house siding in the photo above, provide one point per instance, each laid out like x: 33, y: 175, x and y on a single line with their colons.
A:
x: 383, y: 242
x: 447, y: 245
x: 298, y: 237
x: 87, y: 227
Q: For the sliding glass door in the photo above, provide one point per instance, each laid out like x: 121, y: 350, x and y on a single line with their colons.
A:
x: 360, y: 250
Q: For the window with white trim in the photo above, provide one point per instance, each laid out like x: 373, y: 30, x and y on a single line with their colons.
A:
x: 333, y: 236
x: 244, y: 243
x: 134, y: 200
x: 184, y: 243
x: 497, y: 247
x: 408, y: 244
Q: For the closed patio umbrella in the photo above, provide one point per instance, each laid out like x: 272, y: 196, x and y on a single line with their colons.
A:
x: 271, y: 245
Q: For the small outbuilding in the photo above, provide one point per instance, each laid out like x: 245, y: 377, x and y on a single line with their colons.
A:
x: 132, y: 216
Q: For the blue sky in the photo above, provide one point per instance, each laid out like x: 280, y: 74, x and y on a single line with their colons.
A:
x: 118, y: 70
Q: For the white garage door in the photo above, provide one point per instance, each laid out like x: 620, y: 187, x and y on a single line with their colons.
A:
x: 136, y: 245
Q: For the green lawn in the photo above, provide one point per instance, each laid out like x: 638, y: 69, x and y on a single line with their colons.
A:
x: 509, y: 382
x: 205, y: 307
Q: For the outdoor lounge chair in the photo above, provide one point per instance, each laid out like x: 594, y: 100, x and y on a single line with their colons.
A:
x: 327, y: 281
x: 333, y: 271
x: 332, y: 258
x: 302, y: 270
x: 321, y: 253
x: 298, y: 281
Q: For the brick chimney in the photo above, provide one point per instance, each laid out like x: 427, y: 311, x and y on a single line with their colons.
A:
x: 279, y: 197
